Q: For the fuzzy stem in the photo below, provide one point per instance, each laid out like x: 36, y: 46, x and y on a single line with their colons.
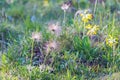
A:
x: 64, y: 19
x: 114, y: 56
x: 32, y: 51
x: 95, y: 5
x: 83, y: 31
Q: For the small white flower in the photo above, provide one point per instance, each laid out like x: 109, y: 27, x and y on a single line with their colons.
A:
x: 42, y: 68
x: 29, y: 67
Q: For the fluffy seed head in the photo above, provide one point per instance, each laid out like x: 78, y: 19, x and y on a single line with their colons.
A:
x: 36, y: 36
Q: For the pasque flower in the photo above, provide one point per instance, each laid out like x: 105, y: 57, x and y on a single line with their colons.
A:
x: 66, y: 5
x: 51, y: 46
x: 54, y: 28
x: 36, y: 36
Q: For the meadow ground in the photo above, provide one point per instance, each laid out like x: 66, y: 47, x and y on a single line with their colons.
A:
x: 59, y: 40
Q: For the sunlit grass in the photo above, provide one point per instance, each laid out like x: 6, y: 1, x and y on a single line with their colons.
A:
x: 58, y: 40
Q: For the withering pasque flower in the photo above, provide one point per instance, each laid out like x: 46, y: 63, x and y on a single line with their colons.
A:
x: 51, y: 46
x: 36, y: 36
x: 54, y: 28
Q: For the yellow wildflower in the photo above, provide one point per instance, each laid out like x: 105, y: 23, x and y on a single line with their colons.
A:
x: 46, y: 3
x: 93, y: 30
x: 89, y: 16
x: 86, y: 17
x: 85, y: 20
x: 89, y: 26
x: 110, y: 41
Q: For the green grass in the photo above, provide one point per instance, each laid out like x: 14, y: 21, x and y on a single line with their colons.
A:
x: 67, y: 53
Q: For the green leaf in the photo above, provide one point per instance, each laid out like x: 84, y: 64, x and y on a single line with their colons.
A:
x: 4, y: 59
